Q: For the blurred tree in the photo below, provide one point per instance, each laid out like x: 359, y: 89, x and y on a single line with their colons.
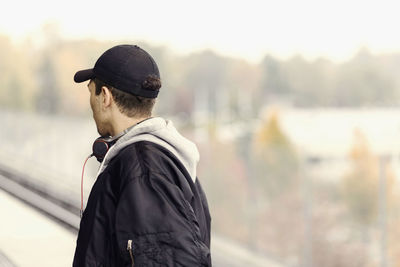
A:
x: 242, y: 81
x: 223, y: 87
x: 16, y: 80
x: 274, y: 77
x: 222, y: 174
x: 275, y: 159
x: 205, y: 74
x: 361, y: 82
x: 274, y: 82
x: 48, y: 97
x: 15, y: 93
x: 272, y: 179
x: 361, y: 184
x: 310, y: 82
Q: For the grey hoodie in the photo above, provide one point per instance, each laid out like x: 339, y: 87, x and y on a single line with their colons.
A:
x: 162, y: 132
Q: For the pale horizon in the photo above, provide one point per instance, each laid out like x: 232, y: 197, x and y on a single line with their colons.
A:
x: 248, y: 30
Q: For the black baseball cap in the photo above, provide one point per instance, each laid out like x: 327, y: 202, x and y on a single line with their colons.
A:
x: 124, y: 67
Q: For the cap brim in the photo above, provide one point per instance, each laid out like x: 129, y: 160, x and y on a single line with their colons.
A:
x: 84, y: 75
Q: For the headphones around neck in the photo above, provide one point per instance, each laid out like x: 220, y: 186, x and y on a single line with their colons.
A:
x: 101, y: 146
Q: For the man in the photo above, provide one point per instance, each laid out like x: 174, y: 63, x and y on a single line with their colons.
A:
x: 146, y: 208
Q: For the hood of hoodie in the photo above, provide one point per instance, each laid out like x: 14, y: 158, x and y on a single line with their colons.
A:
x: 162, y: 132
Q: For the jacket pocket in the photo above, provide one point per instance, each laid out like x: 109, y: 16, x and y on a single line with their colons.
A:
x: 150, y: 250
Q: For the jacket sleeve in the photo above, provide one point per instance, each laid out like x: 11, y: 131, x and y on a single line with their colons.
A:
x: 155, y: 218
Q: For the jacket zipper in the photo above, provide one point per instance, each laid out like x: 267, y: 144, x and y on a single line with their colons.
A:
x: 130, y: 249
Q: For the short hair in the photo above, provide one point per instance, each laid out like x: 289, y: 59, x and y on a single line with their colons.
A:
x: 129, y: 104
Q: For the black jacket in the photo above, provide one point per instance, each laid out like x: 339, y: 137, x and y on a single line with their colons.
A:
x: 146, y: 198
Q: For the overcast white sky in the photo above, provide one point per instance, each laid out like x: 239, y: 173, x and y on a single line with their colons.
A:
x: 249, y: 29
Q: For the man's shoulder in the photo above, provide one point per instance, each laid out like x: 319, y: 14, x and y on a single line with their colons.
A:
x: 145, y: 157
x: 141, y: 150
x: 146, y: 154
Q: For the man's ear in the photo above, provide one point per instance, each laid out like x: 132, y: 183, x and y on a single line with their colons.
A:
x: 107, y: 96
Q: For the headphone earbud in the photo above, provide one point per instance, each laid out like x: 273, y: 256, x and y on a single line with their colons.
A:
x: 101, y: 146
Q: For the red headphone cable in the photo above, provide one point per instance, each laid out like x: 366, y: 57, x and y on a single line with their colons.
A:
x: 83, y: 171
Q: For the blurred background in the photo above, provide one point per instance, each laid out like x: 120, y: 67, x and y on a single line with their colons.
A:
x: 294, y: 106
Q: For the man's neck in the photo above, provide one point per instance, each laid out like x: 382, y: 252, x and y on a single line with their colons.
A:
x: 123, y: 123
